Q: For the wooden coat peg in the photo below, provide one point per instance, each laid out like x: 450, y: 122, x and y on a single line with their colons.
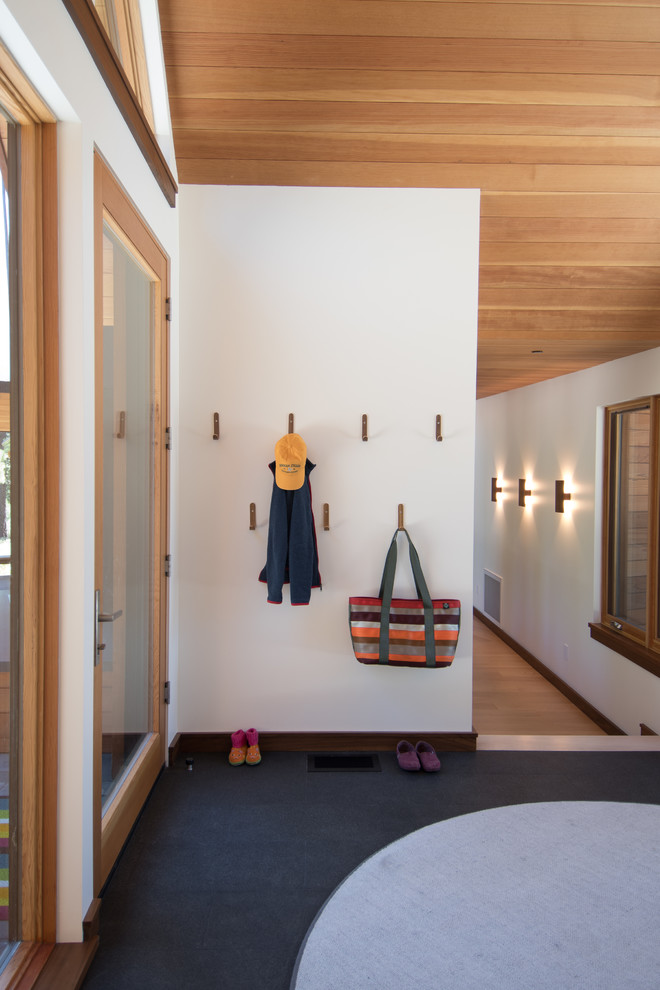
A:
x: 326, y: 516
x: 291, y: 429
x: 365, y: 430
x: 400, y: 521
x: 253, y: 515
x: 216, y: 426
x: 438, y: 427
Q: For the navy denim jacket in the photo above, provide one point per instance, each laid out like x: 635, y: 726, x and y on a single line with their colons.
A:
x: 292, y: 557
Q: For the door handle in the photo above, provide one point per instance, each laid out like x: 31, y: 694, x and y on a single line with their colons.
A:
x: 99, y: 617
x: 108, y: 616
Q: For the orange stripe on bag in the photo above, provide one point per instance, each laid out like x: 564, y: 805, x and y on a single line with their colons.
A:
x: 440, y: 635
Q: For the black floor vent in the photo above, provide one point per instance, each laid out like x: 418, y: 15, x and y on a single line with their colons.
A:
x: 342, y: 761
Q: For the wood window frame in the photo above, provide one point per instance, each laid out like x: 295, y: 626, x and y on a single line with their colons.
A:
x: 37, y: 408
x: 642, y: 648
x: 123, y: 24
x: 89, y: 24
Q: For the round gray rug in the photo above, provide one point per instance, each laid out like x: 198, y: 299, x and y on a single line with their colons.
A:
x: 556, y: 896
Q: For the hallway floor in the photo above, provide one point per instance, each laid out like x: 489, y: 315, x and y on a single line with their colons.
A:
x: 516, y: 708
x: 511, y: 698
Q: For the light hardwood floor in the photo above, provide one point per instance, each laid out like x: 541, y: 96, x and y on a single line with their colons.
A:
x: 516, y: 708
x: 511, y: 698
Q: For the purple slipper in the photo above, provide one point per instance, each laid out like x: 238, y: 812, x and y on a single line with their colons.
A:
x: 427, y: 757
x: 406, y: 756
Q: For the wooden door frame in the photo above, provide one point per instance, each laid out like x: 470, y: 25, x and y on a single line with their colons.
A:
x: 112, y: 203
x: 35, y: 697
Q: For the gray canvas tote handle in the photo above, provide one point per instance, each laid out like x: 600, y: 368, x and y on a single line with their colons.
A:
x: 385, y: 594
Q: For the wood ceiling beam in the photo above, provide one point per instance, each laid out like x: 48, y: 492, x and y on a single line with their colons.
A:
x: 566, y: 229
x: 562, y: 254
x: 619, y: 206
x: 347, y: 116
x: 503, y: 353
x: 520, y: 178
x: 411, y: 148
x: 576, y: 298
x: 295, y: 51
x: 415, y: 19
x: 383, y: 86
x: 558, y: 324
x: 516, y: 277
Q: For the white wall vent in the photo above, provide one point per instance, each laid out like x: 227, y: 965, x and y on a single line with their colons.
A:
x: 492, y: 595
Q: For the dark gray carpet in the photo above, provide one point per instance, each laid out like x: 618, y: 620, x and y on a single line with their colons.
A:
x: 228, y: 866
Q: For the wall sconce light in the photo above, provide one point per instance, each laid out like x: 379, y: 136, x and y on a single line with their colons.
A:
x: 494, y: 489
x: 523, y: 492
x: 560, y: 496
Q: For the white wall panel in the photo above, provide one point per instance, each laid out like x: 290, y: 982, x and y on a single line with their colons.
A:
x: 328, y: 303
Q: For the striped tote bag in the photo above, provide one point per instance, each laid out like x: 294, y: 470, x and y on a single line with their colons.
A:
x: 402, y: 632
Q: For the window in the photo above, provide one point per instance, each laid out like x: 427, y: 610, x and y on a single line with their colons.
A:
x: 112, y: 31
x: 29, y: 527
x: 630, y: 589
x: 122, y: 22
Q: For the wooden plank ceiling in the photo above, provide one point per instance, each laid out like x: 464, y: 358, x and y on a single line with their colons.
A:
x: 552, y: 109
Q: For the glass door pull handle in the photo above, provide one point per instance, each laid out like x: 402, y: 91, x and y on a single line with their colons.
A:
x: 109, y: 616
x: 99, y: 617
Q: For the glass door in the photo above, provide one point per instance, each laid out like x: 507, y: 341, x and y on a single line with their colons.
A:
x: 126, y: 592
x: 131, y: 508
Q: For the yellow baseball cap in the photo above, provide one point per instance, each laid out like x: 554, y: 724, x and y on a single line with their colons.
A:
x: 290, y: 458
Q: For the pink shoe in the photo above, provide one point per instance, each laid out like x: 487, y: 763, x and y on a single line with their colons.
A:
x: 406, y: 756
x: 427, y: 757
x: 253, y: 755
x: 239, y: 748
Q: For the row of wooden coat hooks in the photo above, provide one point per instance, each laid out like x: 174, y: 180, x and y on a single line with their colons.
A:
x: 326, y: 507
x: 326, y: 516
x: 365, y: 426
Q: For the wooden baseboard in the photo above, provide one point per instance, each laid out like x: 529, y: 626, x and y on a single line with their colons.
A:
x: 67, y: 965
x: 602, y: 721
x: 174, y: 750
x: 189, y: 743
x: 23, y: 968
x: 92, y: 920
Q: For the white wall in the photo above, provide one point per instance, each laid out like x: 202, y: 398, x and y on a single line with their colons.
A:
x: 328, y: 303
x: 549, y: 562
x: 46, y: 44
